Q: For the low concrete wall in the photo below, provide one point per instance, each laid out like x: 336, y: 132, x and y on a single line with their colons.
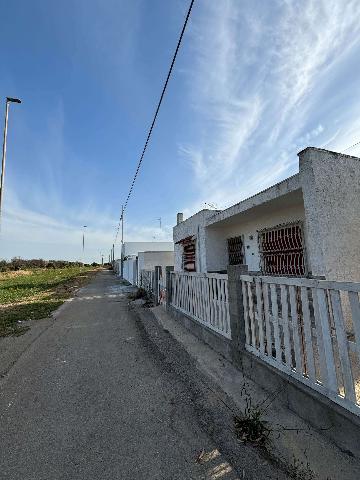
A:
x: 216, y: 341
x: 331, y: 419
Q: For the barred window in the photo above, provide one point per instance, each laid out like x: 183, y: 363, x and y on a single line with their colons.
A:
x: 282, y: 250
x: 189, y: 251
x: 235, y: 250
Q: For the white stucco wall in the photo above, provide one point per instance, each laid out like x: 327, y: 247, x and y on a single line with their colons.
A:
x: 331, y: 189
x: 192, y: 226
x: 178, y: 249
x: 279, y: 190
x: 248, y: 225
x: 133, y: 248
x: 130, y: 270
x: 141, y: 265
x: 149, y: 260
x: 117, y: 266
x: 325, y: 196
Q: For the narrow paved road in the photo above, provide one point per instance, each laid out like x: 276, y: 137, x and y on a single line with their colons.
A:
x: 87, y: 401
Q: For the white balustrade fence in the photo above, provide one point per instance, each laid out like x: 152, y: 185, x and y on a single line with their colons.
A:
x: 203, y: 297
x: 309, y: 329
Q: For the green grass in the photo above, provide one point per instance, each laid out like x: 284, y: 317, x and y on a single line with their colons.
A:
x: 34, y: 294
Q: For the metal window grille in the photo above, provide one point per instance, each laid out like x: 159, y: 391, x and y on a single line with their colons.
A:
x: 235, y: 250
x: 282, y: 250
x: 189, y: 250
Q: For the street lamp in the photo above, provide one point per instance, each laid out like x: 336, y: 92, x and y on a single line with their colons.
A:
x: 8, y: 101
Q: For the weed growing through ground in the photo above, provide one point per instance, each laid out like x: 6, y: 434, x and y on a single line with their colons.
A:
x: 301, y: 471
x: 251, y: 427
x: 139, y: 294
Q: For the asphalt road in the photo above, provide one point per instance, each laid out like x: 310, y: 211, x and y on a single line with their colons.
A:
x: 88, y: 400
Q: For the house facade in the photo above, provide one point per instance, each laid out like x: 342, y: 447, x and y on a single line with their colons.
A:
x: 150, y: 260
x: 133, y: 248
x: 138, y: 256
x: 130, y: 269
x: 307, y: 225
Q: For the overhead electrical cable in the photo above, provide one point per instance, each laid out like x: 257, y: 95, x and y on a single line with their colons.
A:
x: 155, y: 117
x: 348, y: 148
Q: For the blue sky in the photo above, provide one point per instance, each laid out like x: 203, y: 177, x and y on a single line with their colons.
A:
x: 255, y: 82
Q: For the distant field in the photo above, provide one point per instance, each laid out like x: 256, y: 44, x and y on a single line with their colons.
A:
x: 34, y: 294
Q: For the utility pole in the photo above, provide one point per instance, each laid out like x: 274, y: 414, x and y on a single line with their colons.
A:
x: 8, y: 101
x: 122, y: 241
x: 83, y: 244
x: 159, y: 222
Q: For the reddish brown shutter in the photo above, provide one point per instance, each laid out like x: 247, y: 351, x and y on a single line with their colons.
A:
x: 189, y: 254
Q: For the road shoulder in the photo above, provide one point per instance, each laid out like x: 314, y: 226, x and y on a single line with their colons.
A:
x: 214, y: 409
x: 295, y: 446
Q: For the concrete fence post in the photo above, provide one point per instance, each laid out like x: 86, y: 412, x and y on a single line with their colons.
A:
x: 236, y: 310
x: 168, y: 286
x: 157, y: 277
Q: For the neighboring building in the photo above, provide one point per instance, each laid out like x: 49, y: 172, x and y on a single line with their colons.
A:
x: 306, y: 225
x: 133, y: 248
x: 149, y: 260
x: 144, y: 256
x: 130, y: 269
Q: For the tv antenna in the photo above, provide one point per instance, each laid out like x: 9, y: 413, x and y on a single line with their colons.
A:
x: 212, y: 205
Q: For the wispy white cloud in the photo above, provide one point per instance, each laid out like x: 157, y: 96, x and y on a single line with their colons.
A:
x: 257, y: 87
x: 265, y: 79
x: 69, y: 111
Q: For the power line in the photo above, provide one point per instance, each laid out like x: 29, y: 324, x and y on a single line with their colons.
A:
x: 355, y: 144
x: 155, y: 116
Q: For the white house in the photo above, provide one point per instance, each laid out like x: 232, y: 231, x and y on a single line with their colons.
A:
x: 140, y: 256
x: 306, y: 225
x: 133, y: 248
x: 130, y: 272
x: 149, y: 260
